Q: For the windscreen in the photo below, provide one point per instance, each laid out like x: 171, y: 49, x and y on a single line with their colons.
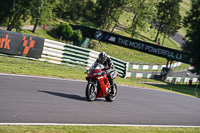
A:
x: 97, y: 66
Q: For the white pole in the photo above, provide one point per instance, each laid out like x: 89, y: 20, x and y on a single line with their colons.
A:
x: 197, y: 85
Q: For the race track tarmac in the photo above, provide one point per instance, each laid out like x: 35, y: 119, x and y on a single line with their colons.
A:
x: 25, y: 99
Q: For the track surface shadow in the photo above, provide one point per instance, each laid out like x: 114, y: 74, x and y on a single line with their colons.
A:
x: 69, y: 96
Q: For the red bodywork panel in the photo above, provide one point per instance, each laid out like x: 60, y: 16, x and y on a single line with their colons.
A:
x: 103, y: 83
x: 103, y: 86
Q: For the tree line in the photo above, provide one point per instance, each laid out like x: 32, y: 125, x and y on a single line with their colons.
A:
x: 104, y: 14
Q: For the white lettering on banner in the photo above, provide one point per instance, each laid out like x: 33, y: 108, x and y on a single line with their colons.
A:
x: 150, y: 49
x: 136, y: 45
x: 163, y: 52
x: 119, y: 40
x: 123, y: 42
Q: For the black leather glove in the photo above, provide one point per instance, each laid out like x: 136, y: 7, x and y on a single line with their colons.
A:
x: 103, y: 73
x: 107, y: 71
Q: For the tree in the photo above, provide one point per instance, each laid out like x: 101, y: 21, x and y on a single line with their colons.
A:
x: 88, y: 11
x: 105, y: 11
x: 142, y: 10
x: 73, y: 9
x: 12, y: 11
x: 192, y: 23
x: 168, y: 17
x: 42, y: 11
x: 5, y: 10
x: 62, y: 7
x: 115, y: 19
x: 37, y: 8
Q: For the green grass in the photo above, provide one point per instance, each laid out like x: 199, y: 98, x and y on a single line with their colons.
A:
x: 95, y: 129
x: 30, y: 67
x: 129, y: 54
x: 40, y: 33
x: 168, y: 86
x: 144, y: 80
x: 182, y: 67
x: 184, y: 7
x: 182, y: 89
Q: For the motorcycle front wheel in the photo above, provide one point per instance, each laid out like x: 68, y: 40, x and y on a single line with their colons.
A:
x: 90, y: 91
x: 111, y: 97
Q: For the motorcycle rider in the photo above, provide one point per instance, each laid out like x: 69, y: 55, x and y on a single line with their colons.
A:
x: 106, y: 61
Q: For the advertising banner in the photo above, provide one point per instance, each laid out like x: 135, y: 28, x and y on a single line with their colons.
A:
x: 146, y: 47
x: 14, y: 43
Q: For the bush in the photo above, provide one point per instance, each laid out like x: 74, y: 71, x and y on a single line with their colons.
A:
x: 65, y: 30
x: 77, y: 36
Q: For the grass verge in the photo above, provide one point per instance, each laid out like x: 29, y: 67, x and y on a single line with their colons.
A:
x: 95, y: 129
x: 178, y: 88
x: 38, y: 68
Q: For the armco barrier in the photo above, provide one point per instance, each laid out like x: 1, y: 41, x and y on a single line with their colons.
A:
x: 178, y: 80
x: 150, y: 67
x: 61, y: 53
x: 181, y: 80
x: 139, y: 75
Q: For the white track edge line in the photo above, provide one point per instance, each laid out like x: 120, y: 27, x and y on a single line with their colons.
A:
x: 119, y: 125
x: 30, y: 76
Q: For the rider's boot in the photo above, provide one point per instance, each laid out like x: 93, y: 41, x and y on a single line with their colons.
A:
x: 111, y: 89
x: 111, y: 85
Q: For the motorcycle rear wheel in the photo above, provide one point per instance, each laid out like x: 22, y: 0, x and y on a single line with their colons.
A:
x: 90, y: 92
x: 111, y: 97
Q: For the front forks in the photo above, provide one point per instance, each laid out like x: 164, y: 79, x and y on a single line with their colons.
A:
x: 95, y: 84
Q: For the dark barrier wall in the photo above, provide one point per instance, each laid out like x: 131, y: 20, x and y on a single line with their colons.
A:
x: 142, y: 46
x: 20, y: 44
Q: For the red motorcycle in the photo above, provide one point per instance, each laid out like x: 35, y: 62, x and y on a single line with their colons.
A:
x: 98, y: 85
